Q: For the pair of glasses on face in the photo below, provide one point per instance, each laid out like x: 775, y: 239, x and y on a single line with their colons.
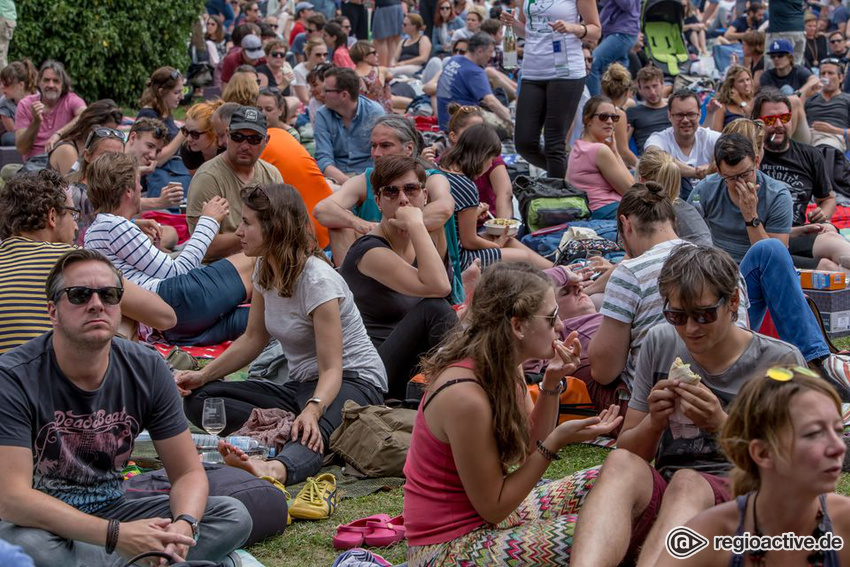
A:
x: 551, y: 319
x: 771, y: 119
x: 836, y: 40
x: 743, y: 176
x: 445, y: 8
x: 81, y: 295
x: 686, y: 116
x: 194, y: 134
x: 75, y: 213
x: 459, y: 52
x: 391, y: 192
x: 98, y: 133
x: 278, y: 54
x: 784, y: 374
x: 253, y: 139
x: 701, y: 316
x: 605, y: 117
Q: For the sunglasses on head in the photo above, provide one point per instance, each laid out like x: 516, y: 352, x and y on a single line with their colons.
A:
x: 784, y: 374
x: 701, y: 316
x: 194, y: 134
x: 253, y: 139
x: 80, y: 295
x: 391, y: 192
x: 551, y: 319
x: 771, y: 119
x: 102, y: 132
x: 175, y: 74
x: 604, y: 117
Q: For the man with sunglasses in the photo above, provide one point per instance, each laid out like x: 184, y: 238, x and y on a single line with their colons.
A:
x: 63, y: 499
x: 315, y: 26
x: 228, y: 173
x: 689, y: 144
x: 633, y: 504
x: 828, y: 112
x: 250, y: 52
x: 785, y: 75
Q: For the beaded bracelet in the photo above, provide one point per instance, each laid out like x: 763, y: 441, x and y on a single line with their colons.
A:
x: 550, y: 455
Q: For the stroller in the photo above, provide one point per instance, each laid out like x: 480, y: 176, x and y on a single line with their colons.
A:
x: 662, y: 23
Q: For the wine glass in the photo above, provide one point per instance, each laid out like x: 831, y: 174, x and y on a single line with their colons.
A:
x: 213, y: 419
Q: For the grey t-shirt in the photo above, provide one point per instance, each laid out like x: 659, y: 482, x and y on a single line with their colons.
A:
x: 80, y: 440
x: 661, y: 346
x: 835, y: 111
x: 690, y: 225
x: 724, y: 219
x: 290, y: 321
x: 646, y: 121
x: 7, y: 109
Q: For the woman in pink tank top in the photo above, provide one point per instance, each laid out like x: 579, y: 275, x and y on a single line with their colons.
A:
x: 595, y: 165
x: 460, y: 505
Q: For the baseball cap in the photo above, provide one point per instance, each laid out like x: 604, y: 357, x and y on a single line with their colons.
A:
x: 783, y: 46
x: 248, y: 118
x: 252, y: 46
x: 301, y: 6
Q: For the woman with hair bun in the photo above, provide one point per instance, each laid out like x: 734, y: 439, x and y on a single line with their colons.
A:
x: 617, y: 85
x: 785, y: 437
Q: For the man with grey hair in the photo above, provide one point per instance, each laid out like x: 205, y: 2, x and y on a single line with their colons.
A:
x: 42, y: 118
x: 675, y: 414
x: 63, y: 499
x: 465, y: 82
x: 351, y: 212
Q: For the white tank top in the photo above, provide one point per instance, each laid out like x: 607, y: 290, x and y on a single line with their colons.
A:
x: 548, y: 54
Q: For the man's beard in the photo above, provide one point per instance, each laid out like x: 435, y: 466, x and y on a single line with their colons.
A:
x: 776, y: 146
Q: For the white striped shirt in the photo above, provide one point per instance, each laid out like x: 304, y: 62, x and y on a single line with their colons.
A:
x: 139, y: 260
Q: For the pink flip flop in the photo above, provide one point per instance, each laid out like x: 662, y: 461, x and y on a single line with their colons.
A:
x: 353, y: 534
x: 385, y: 533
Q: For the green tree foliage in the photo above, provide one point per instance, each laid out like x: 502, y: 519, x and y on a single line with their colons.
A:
x: 109, y: 47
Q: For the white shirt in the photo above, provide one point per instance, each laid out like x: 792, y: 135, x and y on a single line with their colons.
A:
x: 701, y: 154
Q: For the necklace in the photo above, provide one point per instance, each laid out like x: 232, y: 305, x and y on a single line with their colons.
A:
x: 814, y: 559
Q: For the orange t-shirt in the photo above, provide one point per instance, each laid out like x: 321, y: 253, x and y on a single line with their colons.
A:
x: 299, y: 169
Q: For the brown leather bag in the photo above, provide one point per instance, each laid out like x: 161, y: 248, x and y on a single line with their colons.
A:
x: 374, y: 439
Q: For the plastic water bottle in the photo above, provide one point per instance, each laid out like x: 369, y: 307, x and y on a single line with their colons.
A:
x: 206, y: 443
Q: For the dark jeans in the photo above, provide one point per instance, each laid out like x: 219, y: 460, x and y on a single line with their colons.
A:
x: 428, y: 10
x: 359, y: 18
x: 549, y: 106
x: 240, y: 399
x: 225, y: 526
x: 418, y: 332
x: 206, y: 301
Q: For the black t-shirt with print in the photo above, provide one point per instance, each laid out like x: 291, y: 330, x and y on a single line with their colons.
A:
x: 803, y: 169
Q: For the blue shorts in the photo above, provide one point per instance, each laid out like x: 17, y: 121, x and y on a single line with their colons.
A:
x: 206, y: 301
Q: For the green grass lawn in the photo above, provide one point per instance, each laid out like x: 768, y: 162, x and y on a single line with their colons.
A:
x: 310, y: 543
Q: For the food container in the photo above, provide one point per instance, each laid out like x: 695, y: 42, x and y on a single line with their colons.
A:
x: 820, y: 279
x: 496, y: 227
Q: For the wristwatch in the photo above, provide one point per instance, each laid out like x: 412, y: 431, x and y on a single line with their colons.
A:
x: 756, y: 222
x: 196, y: 527
x: 315, y: 400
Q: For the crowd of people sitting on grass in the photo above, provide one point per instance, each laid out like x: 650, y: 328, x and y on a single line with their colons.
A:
x: 344, y: 199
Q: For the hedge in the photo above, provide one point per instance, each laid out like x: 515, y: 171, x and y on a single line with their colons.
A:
x: 109, y: 47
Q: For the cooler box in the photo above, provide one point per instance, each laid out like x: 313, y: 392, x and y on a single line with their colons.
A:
x: 834, y: 310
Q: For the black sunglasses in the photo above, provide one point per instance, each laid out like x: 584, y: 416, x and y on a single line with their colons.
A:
x: 254, y: 140
x: 80, y: 295
x: 604, y: 117
x: 702, y: 316
x: 459, y: 52
x: 194, y: 134
x: 391, y: 192
x: 278, y: 54
x: 98, y: 133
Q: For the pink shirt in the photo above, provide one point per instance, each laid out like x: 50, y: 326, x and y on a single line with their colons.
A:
x: 436, y: 507
x: 64, y: 111
x: 583, y: 174
x: 342, y: 58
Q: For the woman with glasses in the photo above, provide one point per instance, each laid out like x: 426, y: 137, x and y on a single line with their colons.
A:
x: 617, y: 85
x: 374, y: 79
x: 415, y: 50
x: 397, y: 276
x: 553, y: 75
x: 201, y: 143
x: 65, y: 156
x: 276, y: 73
x: 468, y: 159
x: 478, y: 451
x: 337, y: 41
x: 316, y: 53
x: 445, y: 24
x: 596, y: 166
x: 163, y: 93
x: 303, y: 302
x: 784, y: 435
x: 215, y: 35
x: 734, y: 99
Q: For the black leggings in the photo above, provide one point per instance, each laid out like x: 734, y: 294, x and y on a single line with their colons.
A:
x: 419, y: 331
x: 240, y: 399
x: 549, y: 106
x: 358, y: 16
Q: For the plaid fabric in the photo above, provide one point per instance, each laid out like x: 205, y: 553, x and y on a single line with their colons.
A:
x: 841, y: 218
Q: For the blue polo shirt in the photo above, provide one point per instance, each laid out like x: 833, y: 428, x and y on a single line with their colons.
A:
x: 463, y: 82
x: 349, y: 149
